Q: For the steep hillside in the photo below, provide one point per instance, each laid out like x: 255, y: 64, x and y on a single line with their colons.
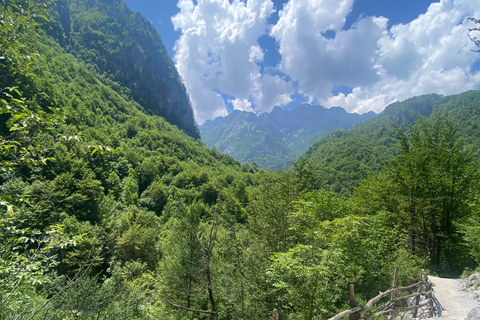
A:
x: 343, y: 158
x: 112, y: 175
x: 121, y: 45
x: 110, y: 212
x: 273, y: 140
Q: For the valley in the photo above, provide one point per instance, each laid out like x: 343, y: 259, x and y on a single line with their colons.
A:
x: 275, y: 140
x: 113, y: 207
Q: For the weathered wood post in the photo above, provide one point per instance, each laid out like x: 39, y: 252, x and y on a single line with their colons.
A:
x: 417, y: 298
x: 394, y: 286
x: 275, y: 314
x: 428, y: 294
x: 352, y: 301
x: 417, y: 302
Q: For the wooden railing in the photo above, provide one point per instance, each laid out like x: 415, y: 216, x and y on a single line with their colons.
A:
x: 411, y: 302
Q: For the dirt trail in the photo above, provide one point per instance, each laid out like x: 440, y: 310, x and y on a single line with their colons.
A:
x: 456, y: 302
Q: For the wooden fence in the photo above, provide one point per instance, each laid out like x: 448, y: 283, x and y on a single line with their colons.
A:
x: 396, y: 306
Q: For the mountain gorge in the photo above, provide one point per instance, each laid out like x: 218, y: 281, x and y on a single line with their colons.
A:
x: 274, y: 140
x: 112, y: 208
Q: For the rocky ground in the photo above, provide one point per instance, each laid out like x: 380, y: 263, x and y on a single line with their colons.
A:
x: 471, y: 286
x: 455, y: 299
x: 458, y: 299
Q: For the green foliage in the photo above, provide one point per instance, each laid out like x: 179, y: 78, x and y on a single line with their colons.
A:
x: 155, y: 197
x: 427, y: 188
x: 130, y: 191
x: 181, y: 275
x: 310, y: 278
x: 144, y: 196
x: 26, y: 253
x: 126, y: 52
x: 470, y: 227
x: 344, y: 158
x: 25, y: 256
x: 121, y: 296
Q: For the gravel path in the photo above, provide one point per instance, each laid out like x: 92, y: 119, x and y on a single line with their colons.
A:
x: 456, y: 302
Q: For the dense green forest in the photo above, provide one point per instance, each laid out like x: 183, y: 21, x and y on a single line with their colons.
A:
x: 108, y: 211
x: 344, y: 158
x: 122, y: 46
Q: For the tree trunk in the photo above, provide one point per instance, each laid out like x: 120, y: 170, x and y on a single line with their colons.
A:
x: 352, y: 301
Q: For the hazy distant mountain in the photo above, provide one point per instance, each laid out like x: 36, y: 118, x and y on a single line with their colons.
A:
x: 274, y: 139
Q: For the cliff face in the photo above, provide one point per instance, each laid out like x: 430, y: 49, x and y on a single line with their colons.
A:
x: 122, y: 46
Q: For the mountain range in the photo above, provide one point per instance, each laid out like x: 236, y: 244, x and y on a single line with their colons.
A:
x: 273, y: 140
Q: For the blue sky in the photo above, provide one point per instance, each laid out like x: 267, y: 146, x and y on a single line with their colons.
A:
x: 360, y: 55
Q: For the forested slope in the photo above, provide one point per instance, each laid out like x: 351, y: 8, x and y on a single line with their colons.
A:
x: 343, y: 158
x: 110, y: 212
x: 241, y: 136
x: 121, y: 45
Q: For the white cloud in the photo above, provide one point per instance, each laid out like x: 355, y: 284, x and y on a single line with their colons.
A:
x: 430, y: 54
x: 241, y: 104
x: 218, y: 52
x: 255, y: 54
x: 358, y: 101
x: 319, y: 63
x: 271, y: 91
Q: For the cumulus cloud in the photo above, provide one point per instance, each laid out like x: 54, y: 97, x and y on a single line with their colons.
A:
x: 430, y: 54
x: 218, y: 53
x: 256, y: 54
x: 241, y: 104
x: 318, y: 62
x: 219, y: 57
x: 271, y: 91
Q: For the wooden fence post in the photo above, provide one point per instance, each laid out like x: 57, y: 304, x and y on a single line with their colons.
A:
x: 352, y: 301
x: 417, y: 302
x: 417, y: 298
x: 394, y: 286
x: 429, y: 296
x: 358, y: 312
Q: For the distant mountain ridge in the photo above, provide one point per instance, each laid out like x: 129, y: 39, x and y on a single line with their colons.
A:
x: 274, y: 139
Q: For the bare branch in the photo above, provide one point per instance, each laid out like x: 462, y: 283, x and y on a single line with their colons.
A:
x: 474, y: 39
x: 201, y: 243
x: 345, y: 313
x: 374, y: 300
